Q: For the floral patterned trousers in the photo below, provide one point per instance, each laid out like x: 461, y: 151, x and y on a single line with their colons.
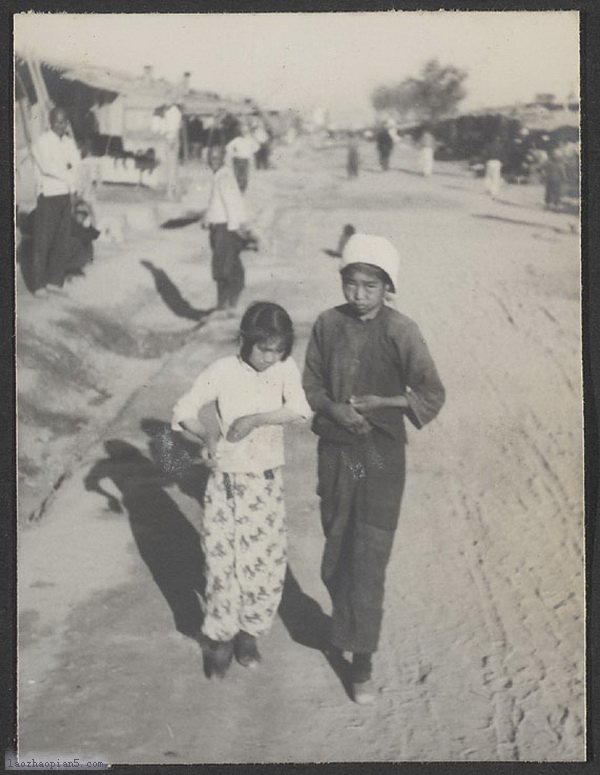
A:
x: 243, y: 538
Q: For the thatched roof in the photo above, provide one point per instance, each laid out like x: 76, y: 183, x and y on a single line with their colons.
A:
x: 146, y: 90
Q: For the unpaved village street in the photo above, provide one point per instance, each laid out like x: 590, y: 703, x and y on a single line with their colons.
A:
x: 482, y: 651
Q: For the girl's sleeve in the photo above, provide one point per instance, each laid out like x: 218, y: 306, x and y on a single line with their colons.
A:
x: 204, y: 390
x: 293, y: 393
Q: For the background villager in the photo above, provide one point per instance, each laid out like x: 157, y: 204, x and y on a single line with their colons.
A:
x: 171, y: 131
x: 385, y: 144
x: 56, y: 167
x: 367, y: 367
x: 353, y: 159
x: 263, y: 140
x: 196, y: 136
x: 493, y: 169
x: 226, y: 219
x: 240, y: 152
x: 427, y: 152
x: 554, y: 178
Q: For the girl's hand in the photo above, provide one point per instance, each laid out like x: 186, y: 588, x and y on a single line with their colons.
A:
x: 364, y: 404
x: 241, y: 427
x: 209, y: 457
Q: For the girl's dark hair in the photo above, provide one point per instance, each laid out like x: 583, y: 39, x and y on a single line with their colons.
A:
x: 263, y: 321
x: 371, y: 269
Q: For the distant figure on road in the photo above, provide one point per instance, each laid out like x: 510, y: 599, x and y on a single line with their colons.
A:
x: 385, y: 144
x: 493, y: 169
x: 493, y: 177
x: 554, y: 178
x: 263, y: 141
x: 57, y: 162
x: 226, y: 220
x: 427, y: 151
x: 353, y: 159
x: 240, y: 151
x: 171, y: 128
x: 243, y: 533
x: 196, y: 135
x: 367, y: 367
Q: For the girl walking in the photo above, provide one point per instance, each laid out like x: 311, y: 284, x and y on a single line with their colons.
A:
x: 243, y: 532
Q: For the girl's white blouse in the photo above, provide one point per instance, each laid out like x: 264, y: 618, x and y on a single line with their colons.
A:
x: 239, y: 390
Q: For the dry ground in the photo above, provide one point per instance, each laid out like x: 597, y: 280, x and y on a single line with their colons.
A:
x: 482, y: 653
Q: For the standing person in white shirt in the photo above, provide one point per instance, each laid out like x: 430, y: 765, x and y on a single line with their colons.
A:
x: 427, y: 153
x: 57, y: 162
x: 226, y: 219
x: 171, y: 130
x: 243, y: 532
x: 240, y: 151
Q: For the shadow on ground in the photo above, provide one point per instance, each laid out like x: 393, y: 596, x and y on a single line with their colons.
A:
x: 166, y: 541
x: 169, y: 293
x: 518, y: 222
x: 309, y: 626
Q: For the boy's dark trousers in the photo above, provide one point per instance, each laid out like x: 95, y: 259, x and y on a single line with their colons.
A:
x: 51, y: 237
x: 227, y: 267
x: 360, y: 486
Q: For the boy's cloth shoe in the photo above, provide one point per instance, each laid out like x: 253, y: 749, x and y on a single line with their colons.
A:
x: 218, y: 655
x: 362, y: 668
x: 364, y: 693
x: 246, y: 650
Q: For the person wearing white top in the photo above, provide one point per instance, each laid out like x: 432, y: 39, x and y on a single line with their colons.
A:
x: 171, y: 130
x: 239, y: 152
x: 56, y: 161
x: 243, y: 533
x: 226, y: 219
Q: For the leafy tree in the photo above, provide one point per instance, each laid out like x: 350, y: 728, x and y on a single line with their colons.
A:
x: 430, y: 97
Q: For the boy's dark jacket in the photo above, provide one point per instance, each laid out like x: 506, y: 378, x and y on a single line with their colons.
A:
x: 385, y: 356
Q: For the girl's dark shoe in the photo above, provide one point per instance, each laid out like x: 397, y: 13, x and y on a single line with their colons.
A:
x: 246, y: 650
x: 218, y: 655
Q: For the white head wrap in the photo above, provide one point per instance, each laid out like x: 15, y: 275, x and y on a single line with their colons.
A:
x: 370, y: 249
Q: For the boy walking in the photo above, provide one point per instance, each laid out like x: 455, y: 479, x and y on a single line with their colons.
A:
x: 367, y: 367
x: 226, y: 220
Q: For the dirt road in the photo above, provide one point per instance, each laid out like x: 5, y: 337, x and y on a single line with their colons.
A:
x: 482, y: 649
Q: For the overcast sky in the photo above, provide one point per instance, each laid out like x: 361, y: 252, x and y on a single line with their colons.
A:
x: 329, y: 60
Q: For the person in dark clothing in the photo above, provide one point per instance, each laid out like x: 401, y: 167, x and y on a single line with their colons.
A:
x: 56, y: 159
x: 554, y: 178
x: 353, y: 159
x: 384, y: 143
x: 83, y: 234
x: 367, y: 367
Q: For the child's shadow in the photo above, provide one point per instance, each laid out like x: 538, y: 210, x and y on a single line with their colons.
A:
x: 309, y: 626
x: 166, y: 541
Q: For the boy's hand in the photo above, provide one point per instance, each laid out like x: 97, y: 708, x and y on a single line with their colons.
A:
x: 346, y: 416
x: 241, y: 427
x: 365, y: 404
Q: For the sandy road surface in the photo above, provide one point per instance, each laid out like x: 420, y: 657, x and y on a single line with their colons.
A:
x: 482, y: 649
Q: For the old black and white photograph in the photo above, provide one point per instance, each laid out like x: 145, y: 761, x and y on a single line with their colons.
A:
x: 300, y: 396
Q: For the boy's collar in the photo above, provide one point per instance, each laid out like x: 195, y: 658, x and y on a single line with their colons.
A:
x: 351, y: 312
